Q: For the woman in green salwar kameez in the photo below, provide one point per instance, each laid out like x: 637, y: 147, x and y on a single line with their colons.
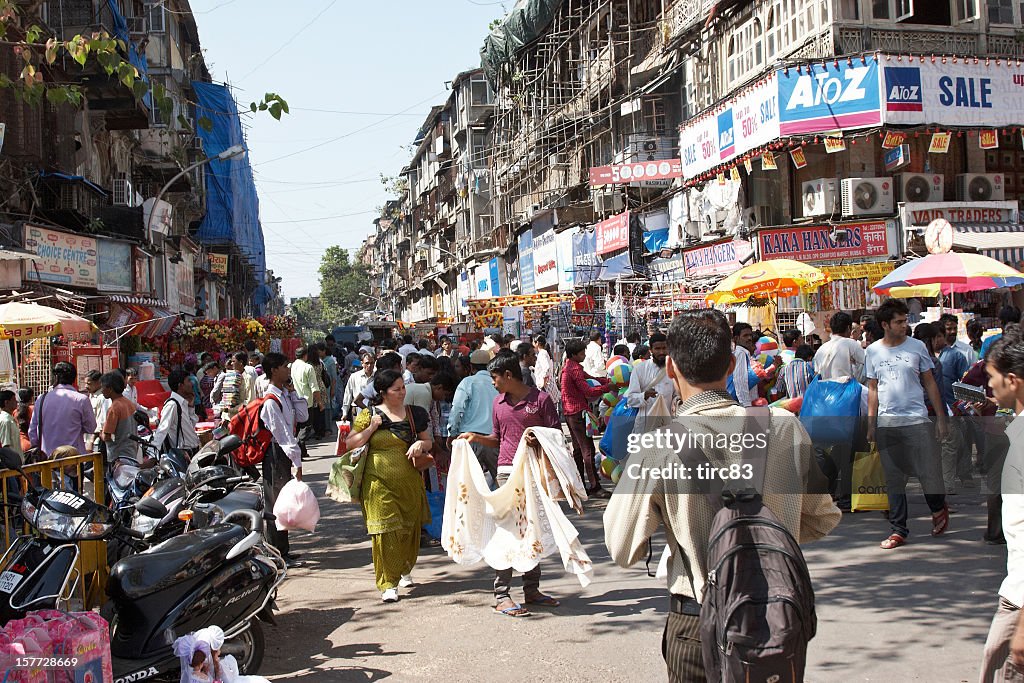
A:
x: 394, y: 498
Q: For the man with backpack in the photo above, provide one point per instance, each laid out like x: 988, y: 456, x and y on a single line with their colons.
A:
x: 282, y: 409
x: 711, y: 428
x: 177, y: 428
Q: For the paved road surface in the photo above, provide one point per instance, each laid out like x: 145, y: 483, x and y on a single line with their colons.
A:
x: 918, y: 613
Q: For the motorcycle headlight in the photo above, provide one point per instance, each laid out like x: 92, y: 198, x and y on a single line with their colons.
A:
x: 62, y: 527
x: 144, y: 524
x: 28, y: 510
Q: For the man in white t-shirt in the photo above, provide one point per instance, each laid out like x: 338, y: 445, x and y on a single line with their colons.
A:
x: 407, y: 347
x: 840, y: 356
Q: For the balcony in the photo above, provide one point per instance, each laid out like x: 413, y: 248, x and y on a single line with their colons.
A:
x: 925, y: 40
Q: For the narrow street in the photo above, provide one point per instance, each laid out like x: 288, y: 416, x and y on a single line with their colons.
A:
x: 919, y: 613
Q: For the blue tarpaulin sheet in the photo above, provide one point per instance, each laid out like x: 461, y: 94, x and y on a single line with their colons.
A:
x: 135, y: 58
x: 232, y: 207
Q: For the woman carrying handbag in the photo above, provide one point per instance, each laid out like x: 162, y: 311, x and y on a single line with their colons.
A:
x: 394, y: 501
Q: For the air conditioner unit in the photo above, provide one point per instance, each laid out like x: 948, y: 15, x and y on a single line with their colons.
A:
x: 867, y: 196
x: 919, y: 187
x: 557, y: 160
x: 646, y: 147
x: 713, y: 223
x: 759, y: 215
x: 533, y: 211
x: 197, y: 143
x: 819, y: 197
x: 980, y: 187
x: 123, y: 195
x: 608, y: 202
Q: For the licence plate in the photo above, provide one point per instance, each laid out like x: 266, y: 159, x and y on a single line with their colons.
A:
x: 9, y: 581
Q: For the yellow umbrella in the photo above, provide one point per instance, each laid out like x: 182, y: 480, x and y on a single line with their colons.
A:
x: 20, y: 320
x: 777, y: 277
x: 918, y: 291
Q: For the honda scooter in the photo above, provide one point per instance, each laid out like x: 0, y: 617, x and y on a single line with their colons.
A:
x: 223, y: 575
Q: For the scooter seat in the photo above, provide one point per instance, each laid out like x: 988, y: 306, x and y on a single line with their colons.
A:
x: 173, y: 562
x: 124, y: 475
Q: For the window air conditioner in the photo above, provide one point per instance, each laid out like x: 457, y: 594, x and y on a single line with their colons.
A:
x: 867, y: 196
x: 819, y: 197
x: 980, y: 187
x: 919, y: 187
x: 608, y: 202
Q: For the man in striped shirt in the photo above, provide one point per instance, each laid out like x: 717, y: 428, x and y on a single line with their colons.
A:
x: 797, y: 374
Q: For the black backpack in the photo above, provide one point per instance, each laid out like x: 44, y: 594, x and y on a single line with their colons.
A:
x: 757, y: 611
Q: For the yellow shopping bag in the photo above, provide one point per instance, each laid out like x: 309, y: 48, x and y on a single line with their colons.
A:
x: 869, y: 488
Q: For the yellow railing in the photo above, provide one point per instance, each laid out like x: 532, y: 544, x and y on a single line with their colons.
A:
x: 92, y: 559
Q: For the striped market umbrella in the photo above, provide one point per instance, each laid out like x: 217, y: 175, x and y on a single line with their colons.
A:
x: 777, y: 277
x: 953, y: 272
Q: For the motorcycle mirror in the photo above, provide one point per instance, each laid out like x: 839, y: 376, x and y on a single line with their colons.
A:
x: 10, y: 460
x: 229, y: 444
x: 141, y: 417
x: 151, y: 507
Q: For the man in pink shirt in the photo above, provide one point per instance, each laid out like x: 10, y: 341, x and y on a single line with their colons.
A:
x: 516, y: 408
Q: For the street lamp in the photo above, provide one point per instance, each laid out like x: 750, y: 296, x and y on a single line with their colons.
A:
x: 229, y: 153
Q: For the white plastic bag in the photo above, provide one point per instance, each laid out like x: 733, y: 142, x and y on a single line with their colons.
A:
x: 296, y: 507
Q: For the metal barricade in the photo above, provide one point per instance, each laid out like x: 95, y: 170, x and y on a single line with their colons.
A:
x: 55, y: 474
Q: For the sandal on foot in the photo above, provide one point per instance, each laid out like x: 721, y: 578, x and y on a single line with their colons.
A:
x: 543, y: 601
x: 516, y: 610
x: 940, y: 520
x: 894, y: 541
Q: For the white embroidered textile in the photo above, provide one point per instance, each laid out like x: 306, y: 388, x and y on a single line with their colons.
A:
x: 521, y: 522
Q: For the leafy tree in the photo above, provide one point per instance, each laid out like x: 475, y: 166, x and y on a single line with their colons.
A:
x: 309, y: 314
x: 341, y: 282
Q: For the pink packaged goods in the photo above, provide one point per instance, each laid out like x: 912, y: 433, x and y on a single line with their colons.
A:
x: 81, y: 638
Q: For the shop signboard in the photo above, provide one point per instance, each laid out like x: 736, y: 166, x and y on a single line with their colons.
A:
x: 218, y: 264
x: 670, y: 269
x: 747, y: 121
x: 829, y: 96
x: 983, y: 92
x: 464, y: 292
x: 494, y: 269
x: 585, y: 262
x: 869, y: 239
x: 545, y: 260
x: 612, y: 234
x: 185, y: 283
x: 114, y: 269
x: 914, y: 214
x: 64, y: 258
x: 643, y: 171
x: 615, y: 267
x: 526, y: 283
x: 722, y: 258
x: 482, y: 282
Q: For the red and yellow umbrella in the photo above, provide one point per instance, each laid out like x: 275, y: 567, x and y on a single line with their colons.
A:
x: 778, y: 277
x: 20, y: 320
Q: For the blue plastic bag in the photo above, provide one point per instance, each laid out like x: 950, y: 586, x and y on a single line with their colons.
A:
x: 830, y: 410
x: 620, y: 426
x: 435, y: 501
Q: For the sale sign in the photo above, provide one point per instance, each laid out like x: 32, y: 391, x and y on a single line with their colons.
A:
x: 768, y: 162
x: 833, y: 145
x: 939, y: 143
x: 893, y: 140
x: 613, y: 233
x: 799, y: 158
x: 628, y: 173
x: 989, y: 139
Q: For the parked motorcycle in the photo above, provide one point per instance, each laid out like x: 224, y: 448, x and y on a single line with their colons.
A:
x: 223, y: 574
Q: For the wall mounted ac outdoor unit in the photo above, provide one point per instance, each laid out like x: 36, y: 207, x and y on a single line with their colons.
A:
x: 123, y: 195
x: 867, y: 196
x: 919, y: 187
x: 980, y: 187
x: 819, y: 197
x: 608, y: 202
x: 758, y: 216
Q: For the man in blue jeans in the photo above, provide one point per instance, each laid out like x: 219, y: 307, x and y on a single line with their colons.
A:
x: 898, y: 369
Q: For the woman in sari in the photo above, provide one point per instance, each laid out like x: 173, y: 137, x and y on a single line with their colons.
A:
x: 394, y: 499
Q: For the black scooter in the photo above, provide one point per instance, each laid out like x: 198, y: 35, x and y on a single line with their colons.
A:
x: 223, y: 575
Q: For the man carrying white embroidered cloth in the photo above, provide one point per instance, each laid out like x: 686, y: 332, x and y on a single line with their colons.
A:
x: 515, y: 526
x: 649, y: 380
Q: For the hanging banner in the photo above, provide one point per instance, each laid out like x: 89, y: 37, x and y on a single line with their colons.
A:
x: 988, y: 139
x: 526, y: 284
x: 64, y: 258
x: 939, y: 143
x: 897, y: 158
x: 545, y: 260
x: 893, y: 140
x: 613, y: 233
x: 835, y: 144
x: 747, y: 121
x: 481, y: 282
x: 665, y: 169
x: 722, y: 258
x: 218, y: 264
x: 585, y: 262
x: 494, y: 269
x: 963, y: 93
x: 563, y: 247
x: 798, y: 156
x: 735, y: 174
x: 748, y: 166
x: 825, y: 97
x: 768, y: 162
x: 184, y: 276
x: 114, y: 268
x: 140, y: 270
x: 815, y: 242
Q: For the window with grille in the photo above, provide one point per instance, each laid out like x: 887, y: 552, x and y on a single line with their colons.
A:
x: 999, y: 11
x: 480, y: 92
x: 156, y: 18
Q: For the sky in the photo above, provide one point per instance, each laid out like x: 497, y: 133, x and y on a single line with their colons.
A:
x: 359, y: 77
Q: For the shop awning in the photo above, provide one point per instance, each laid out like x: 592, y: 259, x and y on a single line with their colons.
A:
x: 1002, y: 241
x: 137, y: 300
x: 150, y: 319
